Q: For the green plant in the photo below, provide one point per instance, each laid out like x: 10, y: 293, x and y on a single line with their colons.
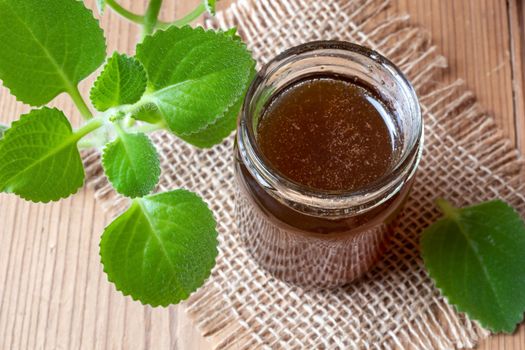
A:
x: 183, y: 79
x: 476, y: 256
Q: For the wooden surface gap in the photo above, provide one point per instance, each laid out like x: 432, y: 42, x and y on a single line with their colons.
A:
x: 516, y: 22
x: 514, y: 76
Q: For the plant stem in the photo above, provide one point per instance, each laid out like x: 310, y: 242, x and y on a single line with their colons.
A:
x: 190, y: 17
x: 133, y: 17
x: 80, y: 103
x: 446, y: 208
x: 90, y: 126
x: 147, y: 128
x: 151, y: 17
x: 118, y: 129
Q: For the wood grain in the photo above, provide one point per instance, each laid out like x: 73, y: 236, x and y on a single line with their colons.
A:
x: 53, y: 293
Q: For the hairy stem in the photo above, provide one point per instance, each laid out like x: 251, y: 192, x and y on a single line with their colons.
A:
x: 147, y: 128
x: 87, y: 128
x: 446, y: 208
x: 80, y: 103
x: 133, y: 17
x: 151, y: 17
x: 118, y: 129
x: 190, y: 17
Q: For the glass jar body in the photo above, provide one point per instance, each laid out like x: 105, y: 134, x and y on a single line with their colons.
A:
x: 308, y: 250
x: 311, y: 238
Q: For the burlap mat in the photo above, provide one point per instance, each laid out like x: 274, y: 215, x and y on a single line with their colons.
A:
x: 396, y: 305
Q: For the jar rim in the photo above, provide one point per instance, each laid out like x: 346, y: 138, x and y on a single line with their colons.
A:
x: 292, y: 191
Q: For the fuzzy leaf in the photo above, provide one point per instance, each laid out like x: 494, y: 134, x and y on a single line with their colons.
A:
x: 39, y: 159
x: 476, y: 256
x: 131, y: 164
x: 123, y: 81
x: 47, y: 47
x: 195, y: 76
x: 215, y: 133
x: 162, y: 248
x: 147, y: 112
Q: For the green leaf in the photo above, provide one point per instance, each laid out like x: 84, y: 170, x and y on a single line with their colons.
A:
x: 195, y: 76
x: 3, y: 128
x: 131, y: 164
x: 215, y: 133
x: 476, y: 256
x: 123, y: 81
x: 47, y: 47
x: 147, y: 112
x: 218, y: 131
x: 162, y: 248
x: 39, y: 159
x: 101, y: 6
x: 210, y: 6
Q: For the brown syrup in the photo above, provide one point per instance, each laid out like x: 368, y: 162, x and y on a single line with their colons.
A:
x: 327, y: 133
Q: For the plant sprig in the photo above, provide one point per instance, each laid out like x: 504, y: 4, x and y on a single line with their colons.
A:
x: 185, y: 80
x: 150, y: 20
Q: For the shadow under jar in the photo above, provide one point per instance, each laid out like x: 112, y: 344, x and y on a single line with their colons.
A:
x: 328, y: 142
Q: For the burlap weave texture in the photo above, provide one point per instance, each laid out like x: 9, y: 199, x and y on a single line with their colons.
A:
x: 395, y: 305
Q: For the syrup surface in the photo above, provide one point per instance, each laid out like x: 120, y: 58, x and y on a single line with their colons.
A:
x: 327, y: 133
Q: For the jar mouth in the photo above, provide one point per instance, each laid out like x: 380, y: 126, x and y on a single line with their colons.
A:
x: 293, y: 193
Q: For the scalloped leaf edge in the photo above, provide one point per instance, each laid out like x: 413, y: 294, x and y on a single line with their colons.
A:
x: 518, y: 317
x: 82, y: 79
x: 116, y: 55
x: 234, y: 39
x: 205, y: 276
x: 103, y: 160
x: 13, y: 127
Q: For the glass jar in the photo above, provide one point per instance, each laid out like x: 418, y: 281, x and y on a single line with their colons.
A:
x: 323, y: 238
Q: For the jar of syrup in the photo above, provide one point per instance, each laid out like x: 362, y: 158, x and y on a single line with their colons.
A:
x: 328, y: 143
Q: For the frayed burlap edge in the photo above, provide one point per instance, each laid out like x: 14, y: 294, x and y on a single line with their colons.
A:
x: 451, y: 108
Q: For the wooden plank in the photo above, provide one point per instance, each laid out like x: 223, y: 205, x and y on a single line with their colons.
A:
x: 53, y: 292
x: 474, y: 36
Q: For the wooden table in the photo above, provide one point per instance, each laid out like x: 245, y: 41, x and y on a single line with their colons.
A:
x: 53, y: 293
